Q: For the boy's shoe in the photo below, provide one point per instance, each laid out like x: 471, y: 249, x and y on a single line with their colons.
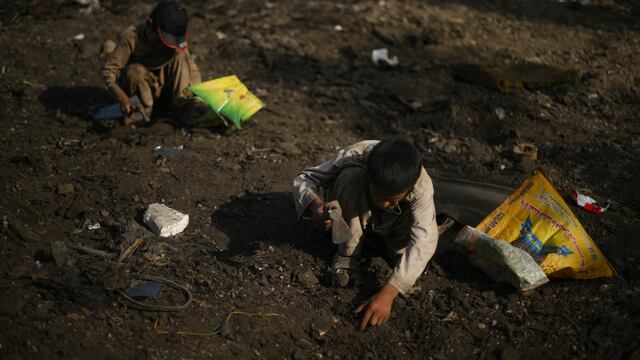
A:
x: 345, y: 270
x: 140, y: 115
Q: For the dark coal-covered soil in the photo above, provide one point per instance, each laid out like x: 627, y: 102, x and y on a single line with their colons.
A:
x: 243, y: 252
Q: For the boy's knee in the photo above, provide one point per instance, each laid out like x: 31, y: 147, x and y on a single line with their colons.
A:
x: 135, y: 73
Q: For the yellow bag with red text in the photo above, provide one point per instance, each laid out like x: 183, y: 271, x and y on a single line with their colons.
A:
x: 536, y: 219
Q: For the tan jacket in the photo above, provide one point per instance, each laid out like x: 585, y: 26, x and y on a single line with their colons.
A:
x: 134, y: 48
x: 422, y: 234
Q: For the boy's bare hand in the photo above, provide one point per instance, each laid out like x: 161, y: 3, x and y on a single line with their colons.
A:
x: 378, y: 307
x: 125, y: 105
x: 318, y: 213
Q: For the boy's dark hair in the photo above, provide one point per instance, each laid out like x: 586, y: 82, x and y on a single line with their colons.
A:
x: 394, y: 166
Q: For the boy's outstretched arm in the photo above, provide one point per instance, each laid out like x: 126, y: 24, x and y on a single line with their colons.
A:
x: 421, y: 247
x: 377, y: 309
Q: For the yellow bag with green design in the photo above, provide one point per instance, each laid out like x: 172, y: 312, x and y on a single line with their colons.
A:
x: 536, y: 219
x: 228, y: 98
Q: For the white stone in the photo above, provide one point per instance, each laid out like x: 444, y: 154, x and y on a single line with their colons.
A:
x: 165, y: 221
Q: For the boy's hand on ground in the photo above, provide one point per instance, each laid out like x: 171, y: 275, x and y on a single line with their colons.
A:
x: 318, y: 213
x: 378, y: 307
x: 125, y: 105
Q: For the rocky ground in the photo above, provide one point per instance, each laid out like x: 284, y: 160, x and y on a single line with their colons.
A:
x: 243, y: 257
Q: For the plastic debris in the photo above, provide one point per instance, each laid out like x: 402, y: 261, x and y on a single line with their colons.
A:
x: 114, y: 111
x: 165, y: 221
x: 78, y: 37
x: 500, y: 260
x: 536, y: 219
x: 340, y: 231
x: 145, y: 290
x: 89, y: 6
x: 381, y: 57
x: 500, y: 113
x: 588, y: 203
x: 466, y: 201
x: 179, y: 151
x: 229, y: 99
x: 95, y: 226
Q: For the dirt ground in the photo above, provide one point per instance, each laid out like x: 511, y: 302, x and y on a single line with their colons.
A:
x: 243, y: 251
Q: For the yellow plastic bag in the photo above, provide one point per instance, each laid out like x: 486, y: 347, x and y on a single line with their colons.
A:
x: 536, y: 219
x: 229, y: 99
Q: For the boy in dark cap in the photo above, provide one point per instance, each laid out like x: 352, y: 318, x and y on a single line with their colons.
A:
x: 152, y: 61
x: 386, y: 198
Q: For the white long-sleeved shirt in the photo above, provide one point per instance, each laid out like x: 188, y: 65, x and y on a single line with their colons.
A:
x: 316, y: 182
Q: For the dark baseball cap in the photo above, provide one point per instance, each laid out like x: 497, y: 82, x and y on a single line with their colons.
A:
x: 170, y: 20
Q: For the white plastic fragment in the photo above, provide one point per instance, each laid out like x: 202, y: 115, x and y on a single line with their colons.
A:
x: 590, y: 204
x: 500, y: 113
x: 382, y: 56
x: 89, y: 6
x: 165, y: 221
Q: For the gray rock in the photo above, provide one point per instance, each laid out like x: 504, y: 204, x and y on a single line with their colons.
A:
x: 60, y: 253
x: 308, y: 279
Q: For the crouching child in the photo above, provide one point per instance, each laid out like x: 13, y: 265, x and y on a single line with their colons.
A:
x: 152, y: 61
x: 386, y: 198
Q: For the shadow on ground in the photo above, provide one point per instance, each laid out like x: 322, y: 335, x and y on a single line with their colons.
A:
x: 603, y: 15
x: 255, y: 221
x: 75, y: 101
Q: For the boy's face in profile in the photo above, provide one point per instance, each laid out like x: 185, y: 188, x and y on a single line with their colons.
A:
x: 383, y: 201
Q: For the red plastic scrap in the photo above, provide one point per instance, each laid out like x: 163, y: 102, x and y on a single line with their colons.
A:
x: 588, y: 203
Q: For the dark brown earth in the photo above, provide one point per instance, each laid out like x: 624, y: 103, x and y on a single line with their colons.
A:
x: 243, y: 250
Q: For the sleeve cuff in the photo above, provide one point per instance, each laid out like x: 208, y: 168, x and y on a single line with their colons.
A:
x: 304, y: 203
x: 403, y: 286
